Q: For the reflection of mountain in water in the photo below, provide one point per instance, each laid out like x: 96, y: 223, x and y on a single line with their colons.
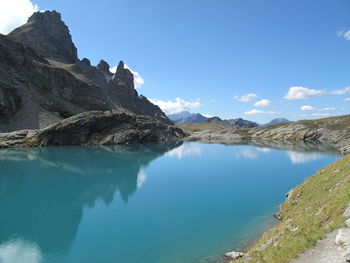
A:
x: 43, y: 190
x: 298, y: 146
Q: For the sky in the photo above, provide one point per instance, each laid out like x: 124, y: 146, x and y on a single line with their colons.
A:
x: 253, y: 59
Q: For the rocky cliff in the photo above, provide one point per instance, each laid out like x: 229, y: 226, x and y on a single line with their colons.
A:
x: 42, y: 81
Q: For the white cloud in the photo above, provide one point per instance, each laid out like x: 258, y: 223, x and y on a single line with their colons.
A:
x: 184, y: 150
x: 171, y: 107
x: 302, y: 93
x: 245, y: 97
x: 341, y: 91
x: 263, y: 103
x: 15, y: 13
x: 310, y: 108
x: 300, y: 158
x: 138, y: 80
x: 255, y: 111
x: 344, y: 33
x: 321, y: 114
x: 307, y: 107
x: 346, y: 99
x: 328, y: 109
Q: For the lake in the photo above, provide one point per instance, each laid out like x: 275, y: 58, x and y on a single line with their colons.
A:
x: 152, y: 203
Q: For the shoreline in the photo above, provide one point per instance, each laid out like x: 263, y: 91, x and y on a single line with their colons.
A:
x: 271, y: 240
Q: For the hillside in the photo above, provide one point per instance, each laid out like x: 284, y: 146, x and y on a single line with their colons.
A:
x: 311, y: 212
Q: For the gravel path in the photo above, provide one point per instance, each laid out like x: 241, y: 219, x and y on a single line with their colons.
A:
x: 326, y: 250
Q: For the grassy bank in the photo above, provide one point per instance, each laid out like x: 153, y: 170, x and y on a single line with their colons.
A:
x: 311, y: 210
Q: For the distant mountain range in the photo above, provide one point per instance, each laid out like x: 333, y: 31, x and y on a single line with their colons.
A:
x: 239, y: 123
x: 188, y: 117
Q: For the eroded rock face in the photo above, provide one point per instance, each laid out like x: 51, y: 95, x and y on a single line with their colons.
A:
x: 42, y: 81
x: 10, y: 102
x: 47, y: 34
x: 95, y: 128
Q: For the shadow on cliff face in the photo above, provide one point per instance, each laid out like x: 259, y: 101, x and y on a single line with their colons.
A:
x: 43, y: 191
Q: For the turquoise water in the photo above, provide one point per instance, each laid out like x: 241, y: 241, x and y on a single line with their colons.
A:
x: 154, y: 203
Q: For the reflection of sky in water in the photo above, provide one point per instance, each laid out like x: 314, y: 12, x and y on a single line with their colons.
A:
x: 247, y: 154
x: 141, y: 178
x: 186, y: 150
x: 300, y: 157
x: 294, y: 156
x: 19, y: 251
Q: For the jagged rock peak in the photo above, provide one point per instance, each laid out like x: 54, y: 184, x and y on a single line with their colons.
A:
x: 48, y: 35
x: 86, y: 61
x: 121, y: 66
x: 104, y: 66
x: 124, y: 73
x: 46, y: 17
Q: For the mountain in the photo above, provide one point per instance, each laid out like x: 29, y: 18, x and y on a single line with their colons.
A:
x: 241, y: 123
x: 194, y: 118
x: 232, y: 123
x: 187, y: 117
x: 42, y: 80
x: 277, y: 121
x: 178, y: 116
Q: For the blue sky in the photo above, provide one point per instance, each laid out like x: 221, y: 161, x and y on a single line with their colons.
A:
x: 209, y: 54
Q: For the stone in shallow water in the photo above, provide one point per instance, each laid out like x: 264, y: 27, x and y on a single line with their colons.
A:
x: 234, y: 255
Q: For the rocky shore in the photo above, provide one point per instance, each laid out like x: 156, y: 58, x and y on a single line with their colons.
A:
x: 334, y: 131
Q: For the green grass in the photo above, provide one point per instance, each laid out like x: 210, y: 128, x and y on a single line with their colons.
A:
x: 195, y: 127
x: 315, y: 208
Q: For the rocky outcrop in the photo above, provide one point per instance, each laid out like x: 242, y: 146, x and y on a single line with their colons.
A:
x: 95, y: 128
x: 42, y: 81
